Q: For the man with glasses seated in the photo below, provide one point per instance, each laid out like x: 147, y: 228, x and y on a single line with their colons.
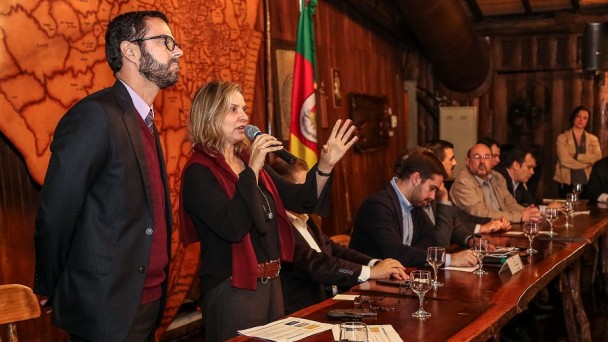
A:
x: 320, y: 265
x: 482, y: 192
x: 494, y: 147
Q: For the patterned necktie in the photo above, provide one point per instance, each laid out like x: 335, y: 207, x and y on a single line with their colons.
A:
x: 150, y: 121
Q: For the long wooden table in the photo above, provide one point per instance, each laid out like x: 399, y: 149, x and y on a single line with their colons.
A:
x: 474, y: 308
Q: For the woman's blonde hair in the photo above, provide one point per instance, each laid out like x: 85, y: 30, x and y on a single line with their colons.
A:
x: 209, y: 108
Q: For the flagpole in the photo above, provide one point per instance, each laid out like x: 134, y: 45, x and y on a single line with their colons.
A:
x: 268, y: 67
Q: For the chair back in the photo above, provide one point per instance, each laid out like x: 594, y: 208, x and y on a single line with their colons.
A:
x: 341, y: 239
x: 17, y: 303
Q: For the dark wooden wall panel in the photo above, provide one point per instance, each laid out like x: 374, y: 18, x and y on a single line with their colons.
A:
x: 546, y: 71
x: 18, y: 203
x: 370, y: 65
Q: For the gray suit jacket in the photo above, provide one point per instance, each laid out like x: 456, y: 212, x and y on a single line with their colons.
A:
x: 91, y: 238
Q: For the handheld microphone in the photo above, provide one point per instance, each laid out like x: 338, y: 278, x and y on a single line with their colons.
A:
x: 252, y: 132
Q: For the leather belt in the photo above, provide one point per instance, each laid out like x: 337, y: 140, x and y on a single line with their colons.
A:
x: 269, y: 270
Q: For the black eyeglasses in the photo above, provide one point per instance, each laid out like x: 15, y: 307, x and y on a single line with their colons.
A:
x: 376, y: 304
x: 477, y: 156
x: 169, y: 41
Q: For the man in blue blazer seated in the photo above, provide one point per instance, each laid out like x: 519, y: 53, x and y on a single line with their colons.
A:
x: 103, y: 229
x: 320, y: 265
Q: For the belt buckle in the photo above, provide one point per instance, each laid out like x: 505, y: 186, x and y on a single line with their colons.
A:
x: 265, y: 268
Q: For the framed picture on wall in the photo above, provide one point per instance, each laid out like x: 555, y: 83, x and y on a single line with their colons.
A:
x: 336, y: 81
x: 283, y: 58
x: 370, y: 116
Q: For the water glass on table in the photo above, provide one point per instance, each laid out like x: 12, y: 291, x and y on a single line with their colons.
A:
x: 435, y: 256
x: 530, y: 231
x: 577, y: 189
x: 568, y: 210
x: 420, y: 282
x: 353, y: 332
x: 550, y: 216
x: 480, y: 249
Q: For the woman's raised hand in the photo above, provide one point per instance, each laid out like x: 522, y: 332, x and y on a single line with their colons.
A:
x: 340, y: 141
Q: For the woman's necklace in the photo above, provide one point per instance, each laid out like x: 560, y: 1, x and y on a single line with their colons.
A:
x: 267, y: 210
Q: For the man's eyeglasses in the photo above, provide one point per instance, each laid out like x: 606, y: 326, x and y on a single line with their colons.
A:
x: 169, y: 41
x: 479, y: 156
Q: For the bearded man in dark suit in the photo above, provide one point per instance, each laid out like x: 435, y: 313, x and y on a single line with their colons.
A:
x: 398, y: 221
x: 103, y: 228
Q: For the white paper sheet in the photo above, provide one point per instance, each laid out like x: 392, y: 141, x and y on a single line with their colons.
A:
x: 375, y: 333
x: 461, y: 269
x: 341, y: 296
x: 286, y: 330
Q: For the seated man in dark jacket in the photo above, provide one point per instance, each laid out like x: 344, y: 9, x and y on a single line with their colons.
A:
x: 597, y: 187
x: 321, y: 265
x: 398, y: 221
x: 517, y: 167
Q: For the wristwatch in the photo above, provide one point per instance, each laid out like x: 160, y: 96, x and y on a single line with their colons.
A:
x: 323, y: 174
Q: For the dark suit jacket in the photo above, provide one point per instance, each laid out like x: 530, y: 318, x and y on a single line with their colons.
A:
x: 378, y: 230
x: 448, y: 226
x: 598, y: 180
x: 522, y: 195
x: 92, y: 245
x: 308, y: 280
x: 463, y: 218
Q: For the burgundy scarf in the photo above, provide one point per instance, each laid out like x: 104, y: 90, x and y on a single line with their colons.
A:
x: 244, y: 260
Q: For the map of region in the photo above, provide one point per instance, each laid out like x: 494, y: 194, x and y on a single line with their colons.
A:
x: 52, y: 55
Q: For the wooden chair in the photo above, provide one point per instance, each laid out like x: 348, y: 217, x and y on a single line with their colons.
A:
x: 341, y: 239
x: 17, y: 303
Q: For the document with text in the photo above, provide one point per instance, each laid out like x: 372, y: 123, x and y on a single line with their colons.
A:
x: 287, y: 329
x: 375, y: 333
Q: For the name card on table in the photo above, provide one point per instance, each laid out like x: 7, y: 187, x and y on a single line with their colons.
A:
x: 513, y: 264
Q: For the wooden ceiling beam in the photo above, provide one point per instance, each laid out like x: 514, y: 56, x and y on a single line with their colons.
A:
x: 562, y: 23
x: 475, y: 10
x: 380, y: 16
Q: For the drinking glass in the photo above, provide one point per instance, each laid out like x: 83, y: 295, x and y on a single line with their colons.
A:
x: 577, y: 189
x: 480, y: 249
x: 435, y: 256
x: 568, y: 210
x: 550, y: 216
x: 420, y: 283
x: 531, y: 230
x: 353, y: 332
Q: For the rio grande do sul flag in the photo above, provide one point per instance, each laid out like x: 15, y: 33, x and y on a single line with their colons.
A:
x: 303, y: 128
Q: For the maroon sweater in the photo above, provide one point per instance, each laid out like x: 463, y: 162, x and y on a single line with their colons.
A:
x: 155, y: 273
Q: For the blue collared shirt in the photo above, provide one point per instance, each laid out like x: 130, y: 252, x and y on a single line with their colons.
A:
x: 406, y: 208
